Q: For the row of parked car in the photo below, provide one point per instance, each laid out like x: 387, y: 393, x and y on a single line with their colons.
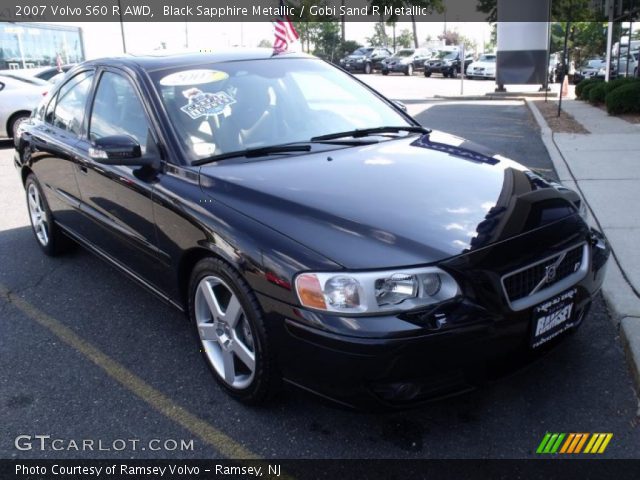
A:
x: 448, y: 62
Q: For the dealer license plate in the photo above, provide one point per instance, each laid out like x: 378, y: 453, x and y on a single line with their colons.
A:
x: 553, y: 317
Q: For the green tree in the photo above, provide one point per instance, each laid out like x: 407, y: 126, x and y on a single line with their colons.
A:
x: 431, y: 5
x: 264, y: 43
x: 586, y: 39
x: 327, y: 40
x: 308, y: 26
x: 379, y: 37
x: 405, y: 39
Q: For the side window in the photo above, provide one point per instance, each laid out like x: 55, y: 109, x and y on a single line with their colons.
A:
x: 117, y: 110
x: 68, y: 107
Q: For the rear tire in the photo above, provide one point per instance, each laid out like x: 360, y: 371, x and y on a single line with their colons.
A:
x: 48, y: 235
x: 232, y: 332
x: 15, y: 122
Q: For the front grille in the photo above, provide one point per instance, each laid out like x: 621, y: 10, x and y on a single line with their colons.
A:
x: 541, y: 280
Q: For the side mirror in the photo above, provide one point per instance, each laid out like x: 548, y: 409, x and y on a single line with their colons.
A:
x: 117, y: 150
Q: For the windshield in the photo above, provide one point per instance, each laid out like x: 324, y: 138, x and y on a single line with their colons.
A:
x: 240, y: 105
x: 362, y: 51
x: 594, y: 63
x: 404, y: 53
x: 447, y: 55
x: 487, y: 58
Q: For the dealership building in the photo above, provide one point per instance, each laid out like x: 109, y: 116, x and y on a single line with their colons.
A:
x: 32, y: 45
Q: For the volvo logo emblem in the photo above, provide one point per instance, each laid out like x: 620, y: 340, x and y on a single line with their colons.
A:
x: 550, y: 273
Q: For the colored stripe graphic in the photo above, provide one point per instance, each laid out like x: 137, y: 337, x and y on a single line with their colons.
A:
x: 543, y: 443
x: 606, y: 441
x: 581, y: 443
x: 565, y: 447
x: 573, y: 443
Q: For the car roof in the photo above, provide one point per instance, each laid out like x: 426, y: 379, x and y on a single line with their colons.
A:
x: 22, y: 80
x: 162, y: 59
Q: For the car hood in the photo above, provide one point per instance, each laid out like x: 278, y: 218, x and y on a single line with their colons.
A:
x: 408, y: 201
x: 488, y: 65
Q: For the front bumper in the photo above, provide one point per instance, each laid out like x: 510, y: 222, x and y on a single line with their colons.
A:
x: 396, y: 67
x: 354, y: 67
x: 442, y: 69
x: 480, y: 74
x: 398, y: 360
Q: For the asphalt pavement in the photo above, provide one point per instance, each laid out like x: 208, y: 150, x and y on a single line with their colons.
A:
x: 87, y: 354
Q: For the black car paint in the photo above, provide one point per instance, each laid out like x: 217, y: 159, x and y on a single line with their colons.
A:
x: 438, y: 66
x: 351, y: 62
x: 156, y: 224
x: 394, y: 63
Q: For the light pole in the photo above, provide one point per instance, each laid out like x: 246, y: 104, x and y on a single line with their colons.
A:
x: 124, y: 43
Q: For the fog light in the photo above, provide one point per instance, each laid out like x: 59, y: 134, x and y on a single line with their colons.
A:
x: 396, y: 288
x: 431, y: 284
x: 342, y: 292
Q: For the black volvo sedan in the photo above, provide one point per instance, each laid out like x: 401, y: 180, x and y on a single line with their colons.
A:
x: 313, y: 232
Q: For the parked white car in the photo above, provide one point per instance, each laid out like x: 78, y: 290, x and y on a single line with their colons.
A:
x: 18, y: 96
x: 484, y: 67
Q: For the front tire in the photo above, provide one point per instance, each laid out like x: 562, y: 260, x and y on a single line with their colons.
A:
x: 48, y: 235
x: 385, y: 72
x: 367, y: 68
x: 409, y: 71
x: 232, y: 332
x: 427, y: 74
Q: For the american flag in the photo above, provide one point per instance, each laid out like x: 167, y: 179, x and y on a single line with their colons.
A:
x: 59, y: 62
x: 285, y: 32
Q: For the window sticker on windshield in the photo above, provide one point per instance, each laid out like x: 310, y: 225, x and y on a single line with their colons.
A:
x: 202, y: 104
x: 193, y: 77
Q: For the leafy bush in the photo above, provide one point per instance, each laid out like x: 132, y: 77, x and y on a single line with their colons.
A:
x: 618, y: 82
x: 587, y: 88
x: 580, y: 87
x: 624, y: 99
x: 597, y: 93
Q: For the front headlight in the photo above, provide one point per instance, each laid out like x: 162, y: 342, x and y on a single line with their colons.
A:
x: 375, y: 292
x: 447, y: 63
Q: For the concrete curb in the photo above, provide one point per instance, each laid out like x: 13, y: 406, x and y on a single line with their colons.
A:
x: 623, y: 304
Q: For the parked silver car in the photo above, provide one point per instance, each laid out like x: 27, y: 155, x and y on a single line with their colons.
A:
x: 18, y: 96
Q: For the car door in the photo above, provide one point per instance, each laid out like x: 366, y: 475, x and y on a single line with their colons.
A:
x: 421, y: 57
x: 117, y: 199
x: 53, y: 147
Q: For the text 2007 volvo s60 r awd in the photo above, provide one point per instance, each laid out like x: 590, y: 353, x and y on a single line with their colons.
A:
x: 312, y: 230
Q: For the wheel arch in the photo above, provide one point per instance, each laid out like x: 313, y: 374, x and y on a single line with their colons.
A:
x: 187, y: 263
x: 11, y: 119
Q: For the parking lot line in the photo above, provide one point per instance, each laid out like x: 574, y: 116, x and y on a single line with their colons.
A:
x: 224, y: 444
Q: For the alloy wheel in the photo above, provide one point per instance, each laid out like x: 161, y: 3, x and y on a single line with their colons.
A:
x: 225, y: 332
x: 38, y: 215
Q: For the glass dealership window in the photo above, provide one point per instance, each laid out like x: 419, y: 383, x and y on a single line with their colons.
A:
x: 34, y: 45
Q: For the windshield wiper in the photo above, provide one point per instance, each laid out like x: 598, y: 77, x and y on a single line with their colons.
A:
x: 254, y: 152
x: 364, y: 132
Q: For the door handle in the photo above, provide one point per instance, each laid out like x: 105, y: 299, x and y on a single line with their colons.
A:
x: 83, y: 169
